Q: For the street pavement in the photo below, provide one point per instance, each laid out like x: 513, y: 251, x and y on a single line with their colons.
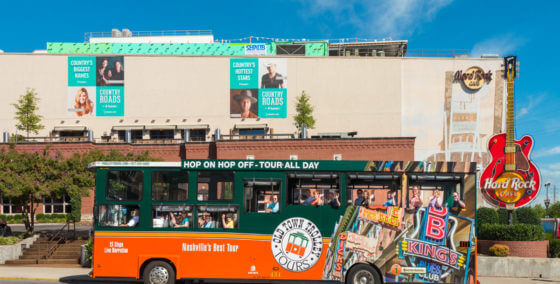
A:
x: 77, y: 275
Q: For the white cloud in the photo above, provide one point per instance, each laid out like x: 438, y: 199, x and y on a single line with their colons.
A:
x: 549, y: 152
x: 501, y: 45
x: 380, y: 18
x: 533, y: 102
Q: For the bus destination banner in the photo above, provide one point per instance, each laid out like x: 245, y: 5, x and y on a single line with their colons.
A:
x: 330, y: 165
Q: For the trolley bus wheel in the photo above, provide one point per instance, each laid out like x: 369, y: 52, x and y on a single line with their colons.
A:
x: 363, y: 274
x: 159, y: 272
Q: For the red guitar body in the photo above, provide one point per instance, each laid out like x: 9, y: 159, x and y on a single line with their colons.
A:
x: 524, y: 167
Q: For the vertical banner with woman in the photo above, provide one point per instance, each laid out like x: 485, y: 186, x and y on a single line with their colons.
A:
x: 95, y: 86
x: 258, y: 88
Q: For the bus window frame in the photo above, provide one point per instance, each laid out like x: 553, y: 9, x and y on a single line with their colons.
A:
x: 219, y: 220
x: 460, y: 181
x: 219, y: 201
x: 339, y: 176
x: 379, y: 179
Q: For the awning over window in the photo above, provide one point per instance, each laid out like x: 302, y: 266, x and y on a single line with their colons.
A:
x: 161, y: 127
x: 251, y: 126
x: 194, y: 126
x: 128, y: 127
x: 70, y: 128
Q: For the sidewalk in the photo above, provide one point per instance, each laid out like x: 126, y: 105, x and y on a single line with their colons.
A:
x: 499, y: 280
x: 43, y: 272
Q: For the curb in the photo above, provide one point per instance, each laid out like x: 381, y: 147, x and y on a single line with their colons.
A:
x: 29, y: 278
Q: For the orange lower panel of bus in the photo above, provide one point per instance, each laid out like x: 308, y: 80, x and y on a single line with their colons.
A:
x: 204, y: 255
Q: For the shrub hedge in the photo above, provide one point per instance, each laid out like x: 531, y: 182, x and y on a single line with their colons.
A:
x: 515, y: 232
x: 8, y: 240
x: 485, y: 215
x: 499, y: 250
x: 527, y: 215
x: 554, y: 248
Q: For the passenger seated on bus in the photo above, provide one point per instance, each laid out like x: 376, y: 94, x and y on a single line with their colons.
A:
x: 390, y: 199
x: 133, y: 222
x: 416, y: 202
x: 183, y: 222
x: 308, y: 198
x: 333, y: 199
x: 458, y: 204
x: 201, y: 221
x: 360, y: 200
x: 209, y: 224
x: 273, y: 205
x: 317, y: 199
x: 227, y: 221
x: 436, y: 199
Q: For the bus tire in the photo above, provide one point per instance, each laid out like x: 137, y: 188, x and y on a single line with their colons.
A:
x: 363, y: 274
x: 159, y: 272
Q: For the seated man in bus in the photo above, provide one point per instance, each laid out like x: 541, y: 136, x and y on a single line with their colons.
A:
x: 458, y: 204
x: 390, y: 199
x: 333, y: 199
x: 360, y: 199
x: 273, y: 207
x: 309, y: 198
x: 227, y: 221
x: 133, y: 222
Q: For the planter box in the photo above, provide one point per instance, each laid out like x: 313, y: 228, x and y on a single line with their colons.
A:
x: 14, y: 251
x: 517, y: 248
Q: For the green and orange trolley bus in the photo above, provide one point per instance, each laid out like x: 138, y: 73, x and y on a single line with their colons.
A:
x: 282, y: 220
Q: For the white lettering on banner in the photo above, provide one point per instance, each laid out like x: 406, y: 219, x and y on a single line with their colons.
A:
x: 514, y: 183
x: 209, y: 247
x: 115, y: 247
x: 81, y: 62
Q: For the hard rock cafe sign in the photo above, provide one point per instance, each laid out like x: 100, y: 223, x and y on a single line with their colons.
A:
x: 473, y: 78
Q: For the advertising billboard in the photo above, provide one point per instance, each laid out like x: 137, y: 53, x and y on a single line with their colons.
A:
x: 258, y: 88
x: 95, y: 86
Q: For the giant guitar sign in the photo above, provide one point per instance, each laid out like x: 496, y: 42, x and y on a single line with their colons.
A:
x: 511, y: 180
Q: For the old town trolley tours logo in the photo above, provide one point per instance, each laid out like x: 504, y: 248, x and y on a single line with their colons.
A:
x: 297, y: 244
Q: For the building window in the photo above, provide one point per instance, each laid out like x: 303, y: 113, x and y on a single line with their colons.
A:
x: 293, y: 157
x: 71, y: 133
x: 58, y: 205
x: 124, y: 185
x: 215, y: 186
x: 198, y: 135
x: 162, y: 134
x: 8, y: 207
x: 255, y: 131
x: 134, y: 135
x: 170, y: 186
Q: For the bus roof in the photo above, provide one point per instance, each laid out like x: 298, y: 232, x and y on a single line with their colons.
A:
x: 299, y: 165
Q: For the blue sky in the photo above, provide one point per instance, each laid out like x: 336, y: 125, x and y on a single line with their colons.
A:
x: 516, y: 27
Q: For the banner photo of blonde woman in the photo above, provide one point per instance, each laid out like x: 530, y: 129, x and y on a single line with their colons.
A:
x: 81, y: 101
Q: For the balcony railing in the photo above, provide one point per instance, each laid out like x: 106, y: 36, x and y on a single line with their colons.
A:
x: 257, y: 136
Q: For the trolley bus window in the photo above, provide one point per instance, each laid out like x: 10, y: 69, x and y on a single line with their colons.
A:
x: 172, y: 216
x: 262, y: 195
x: 369, y: 189
x: 124, y: 185
x: 314, y: 189
x: 217, y: 217
x: 115, y: 215
x: 215, y: 186
x: 170, y: 186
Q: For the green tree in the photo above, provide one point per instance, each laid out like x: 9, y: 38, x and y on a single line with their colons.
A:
x: 304, y: 112
x: 554, y: 210
x: 27, y: 177
x: 26, y: 113
x: 540, y: 210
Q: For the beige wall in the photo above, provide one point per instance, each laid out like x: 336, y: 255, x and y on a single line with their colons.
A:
x: 378, y: 97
